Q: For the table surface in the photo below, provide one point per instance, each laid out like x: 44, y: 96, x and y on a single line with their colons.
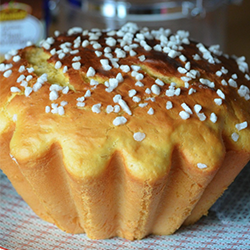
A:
x: 226, y: 227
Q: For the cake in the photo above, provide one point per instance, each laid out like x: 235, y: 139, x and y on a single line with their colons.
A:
x: 125, y: 132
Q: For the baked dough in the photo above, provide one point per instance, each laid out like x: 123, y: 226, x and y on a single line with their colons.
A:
x: 123, y: 133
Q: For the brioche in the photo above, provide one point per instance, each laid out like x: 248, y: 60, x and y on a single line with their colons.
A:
x: 124, y: 132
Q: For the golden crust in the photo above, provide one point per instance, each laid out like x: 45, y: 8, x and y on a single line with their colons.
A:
x: 185, y: 110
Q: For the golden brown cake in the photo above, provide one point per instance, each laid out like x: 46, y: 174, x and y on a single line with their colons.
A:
x: 123, y: 133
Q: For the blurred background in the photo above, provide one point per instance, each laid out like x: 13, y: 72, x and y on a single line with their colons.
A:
x: 224, y: 22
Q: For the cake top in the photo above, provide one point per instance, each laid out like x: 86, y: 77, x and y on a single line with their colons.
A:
x: 136, y: 91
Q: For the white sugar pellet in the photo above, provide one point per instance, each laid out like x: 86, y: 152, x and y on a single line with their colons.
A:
x: 197, y: 108
x: 73, y: 52
x: 139, y: 84
x: 147, y: 47
x: 148, y: 91
x: 81, y: 99
x: 61, y: 55
x: 120, y: 120
x: 201, y: 116
x: 136, y: 99
x: 117, y: 108
x: 181, y: 70
x: 234, y: 76
x: 232, y: 83
x: 96, y: 108
x: 187, y: 65
x: 114, y: 63
x: 88, y: 93
x: 56, y: 33
x: 131, y: 92
x: 21, y: 69
x: 20, y: 78
x: 98, y: 53
x: 157, y: 47
x: 37, y: 86
x: 109, y: 109
x: 201, y: 165
x: 60, y: 110
x: 159, y: 82
x: 125, y: 68
x: 218, y: 101
x: 63, y: 103
x: 80, y: 104
x: 65, y: 90
x: 116, y: 98
x: 111, y: 41
x: 53, y: 95
x: 182, y: 58
x: 191, y: 91
x: 213, y: 118
x: 235, y: 137
x: 119, y: 77
x: 55, y: 87
x: 42, y: 78
x: 7, y: 73
x: 96, y: 45
x: 50, y: 40
x: 220, y: 94
x: 244, y: 91
x: 65, y: 69
x: 142, y: 58
x: 124, y: 106
x: 173, y: 53
x: 184, y: 115
x: 76, y: 65
x: 177, y: 92
x: 143, y: 105
x: 186, y: 108
x: 15, y: 89
x: 53, y: 52
x: 47, y: 109
x: 24, y: 84
x: 169, y: 105
x: 76, y: 59
x: 151, y: 111
x: 135, y: 67
x: 108, y: 55
x: 155, y: 89
x: 46, y: 45
x: 139, y: 136
x: 170, y: 92
x: 218, y: 73
x: 139, y: 76
x: 133, y: 53
x: 242, y: 125
x: 105, y: 64
x: 120, y: 53
x: 223, y: 82
x: 54, y: 110
x: 28, y: 91
x: 93, y: 82
x: 16, y: 58
x: 29, y: 77
x: 85, y: 43
x: 107, y: 50
x: 196, y: 57
x: 224, y: 70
